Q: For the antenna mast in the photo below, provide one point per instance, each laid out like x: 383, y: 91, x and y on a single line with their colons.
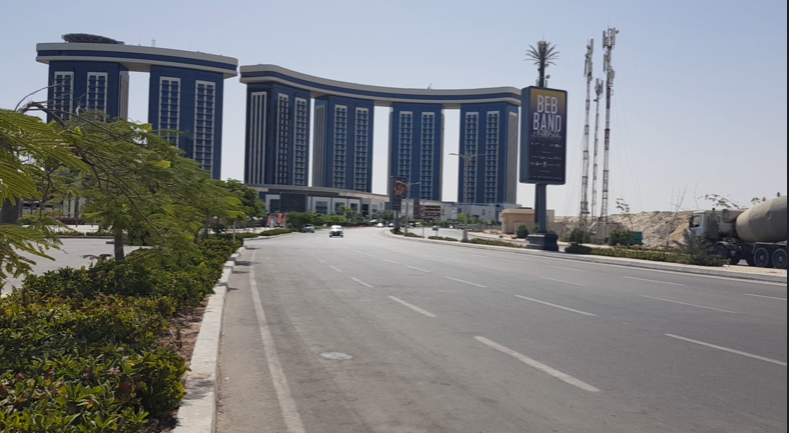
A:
x: 598, y: 90
x: 609, y: 40
x: 585, y: 178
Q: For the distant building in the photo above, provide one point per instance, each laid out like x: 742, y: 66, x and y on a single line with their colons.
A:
x: 490, y: 131
x: 186, y: 89
x: 416, y: 148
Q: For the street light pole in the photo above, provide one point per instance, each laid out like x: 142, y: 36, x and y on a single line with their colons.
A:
x: 408, y: 191
x: 467, y: 162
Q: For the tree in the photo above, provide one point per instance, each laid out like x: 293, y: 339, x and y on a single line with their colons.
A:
x: 721, y: 201
x: 543, y: 56
x: 522, y: 232
x: 623, y: 207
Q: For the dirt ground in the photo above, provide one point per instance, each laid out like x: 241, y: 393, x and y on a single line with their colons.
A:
x: 660, y: 229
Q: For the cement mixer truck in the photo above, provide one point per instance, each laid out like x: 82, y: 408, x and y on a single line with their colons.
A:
x: 756, y: 235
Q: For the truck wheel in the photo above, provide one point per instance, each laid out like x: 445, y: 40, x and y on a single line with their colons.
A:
x: 779, y: 258
x: 763, y: 258
x: 750, y: 261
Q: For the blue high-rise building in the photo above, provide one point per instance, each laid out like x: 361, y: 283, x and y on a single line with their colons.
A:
x: 278, y: 135
x: 90, y: 72
x: 489, y: 131
x: 416, y: 148
x: 343, y: 143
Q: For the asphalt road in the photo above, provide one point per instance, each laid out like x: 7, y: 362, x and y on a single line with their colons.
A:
x: 444, y: 339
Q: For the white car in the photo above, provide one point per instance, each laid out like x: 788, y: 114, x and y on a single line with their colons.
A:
x: 380, y: 225
x: 336, y: 231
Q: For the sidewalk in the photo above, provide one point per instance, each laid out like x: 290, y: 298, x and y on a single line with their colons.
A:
x: 742, y: 272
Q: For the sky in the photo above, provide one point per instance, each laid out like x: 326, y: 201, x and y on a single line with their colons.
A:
x: 699, y: 105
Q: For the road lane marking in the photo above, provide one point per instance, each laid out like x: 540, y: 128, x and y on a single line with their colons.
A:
x: 462, y: 281
x: 322, y: 261
x: 568, y: 269
x: 390, y: 261
x: 413, y: 307
x: 336, y: 269
x: 556, y: 306
x: 287, y: 404
x: 726, y: 349
x: 412, y: 267
x: 357, y: 251
x: 538, y: 365
x: 369, y: 256
x: 685, y: 303
x: 562, y: 281
x: 495, y: 269
x: 768, y: 297
x: 653, y: 281
x: 361, y: 282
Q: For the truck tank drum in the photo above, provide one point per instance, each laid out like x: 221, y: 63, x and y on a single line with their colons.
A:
x: 765, y: 222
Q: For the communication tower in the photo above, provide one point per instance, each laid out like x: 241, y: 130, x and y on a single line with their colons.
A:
x: 609, y: 40
x: 585, y: 178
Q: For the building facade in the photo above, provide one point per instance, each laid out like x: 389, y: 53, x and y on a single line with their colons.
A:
x: 186, y: 90
x: 416, y: 148
x: 278, y: 135
x: 489, y: 131
x: 343, y: 143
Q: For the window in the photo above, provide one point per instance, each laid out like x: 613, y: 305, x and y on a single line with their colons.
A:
x: 340, y: 145
x: 97, y: 91
x: 492, y: 157
x: 283, y: 139
x: 427, y: 156
x: 405, y: 144
x: 361, y: 150
x: 470, y: 140
x: 301, y: 143
x: 62, y: 94
x: 169, y: 106
x: 204, y: 123
x: 257, y: 137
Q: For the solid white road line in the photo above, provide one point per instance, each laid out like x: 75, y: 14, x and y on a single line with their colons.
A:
x: 653, y: 281
x: 412, y: 267
x: 335, y: 268
x: 768, y: 297
x: 685, y: 303
x: 562, y: 281
x: 361, y: 282
x: 413, y: 307
x: 287, y: 404
x: 750, y: 355
x: 390, y: 261
x: 538, y: 365
x: 322, y: 261
x: 462, y: 281
x: 554, y: 305
x: 568, y: 269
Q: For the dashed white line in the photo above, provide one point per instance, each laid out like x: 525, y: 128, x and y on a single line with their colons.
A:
x: 322, y: 261
x: 413, y: 307
x: 422, y: 270
x: 726, y: 349
x: 538, y: 365
x: 685, y: 303
x: 390, y: 261
x: 495, y: 269
x: 562, y: 281
x: 768, y: 297
x: 361, y: 282
x: 568, y: 269
x: 654, y: 281
x: 556, y: 306
x: 467, y: 282
x: 335, y: 268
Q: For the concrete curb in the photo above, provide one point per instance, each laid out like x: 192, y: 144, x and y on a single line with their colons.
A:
x: 197, y: 413
x: 688, y: 269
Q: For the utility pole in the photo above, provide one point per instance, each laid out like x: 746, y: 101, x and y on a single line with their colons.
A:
x: 467, y: 190
x: 585, y: 177
x: 397, y: 216
x: 598, y: 89
x: 609, y: 40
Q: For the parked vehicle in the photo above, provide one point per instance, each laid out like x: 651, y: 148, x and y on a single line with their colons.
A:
x: 757, y: 235
x: 336, y: 231
x: 309, y: 228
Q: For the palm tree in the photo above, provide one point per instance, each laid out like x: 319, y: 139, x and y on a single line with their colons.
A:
x: 543, y: 55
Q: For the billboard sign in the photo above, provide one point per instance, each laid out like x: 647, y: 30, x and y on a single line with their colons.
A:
x: 399, y: 192
x: 543, y: 136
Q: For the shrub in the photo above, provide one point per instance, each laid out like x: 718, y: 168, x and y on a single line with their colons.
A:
x: 578, y: 249
x: 620, y: 237
x: 479, y: 241
x: 522, y: 232
x: 412, y: 235
x: 440, y: 238
x: 275, y: 232
x: 579, y: 236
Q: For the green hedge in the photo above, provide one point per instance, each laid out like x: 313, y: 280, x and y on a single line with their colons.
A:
x: 659, y: 256
x: 90, y: 350
x: 440, y: 238
x: 493, y: 242
x: 275, y: 232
